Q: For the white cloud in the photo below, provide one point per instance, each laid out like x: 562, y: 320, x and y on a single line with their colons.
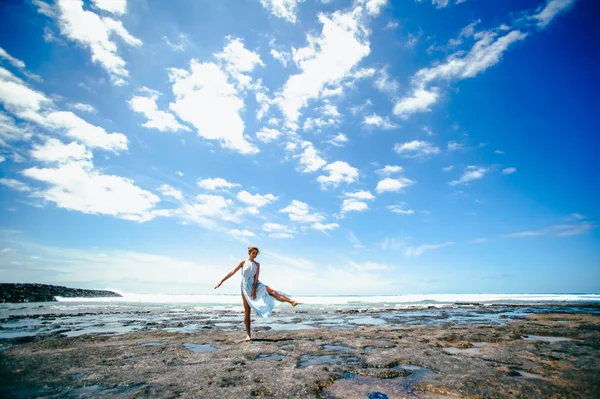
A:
x: 54, y: 150
x: 448, y: 168
x: 378, y: 121
x: 412, y: 40
x: 392, y: 25
x: 419, y: 101
x: 15, y: 184
x: 238, y: 61
x: 508, y: 171
x: 384, y: 84
x: 355, y: 241
x: 184, y: 42
x: 393, y: 185
x: 17, y: 63
x: 400, y: 209
x: 256, y: 200
x: 334, y: 92
x: 454, y: 146
x: 216, y: 183
x: 552, y: 8
x: 470, y: 174
x: 207, y: 210
x: 169, y: 191
x: 499, y: 152
x: 416, y: 149
x: 485, y: 53
x: 440, y: 3
x: 93, y: 32
x: 44, y: 8
x: 299, y: 211
x: 9, y: 131
x: 266, y: 134
x: 338, y: 140
x: 326, y: 61
x: 562, y: 230
x: 160, y: 120
x: 118, y: 7
x: 339, y: 171
x: 417, y: 251
x: 204, y: 98
x: 310, y: 158
x: 467, y: 31
x: 276, y: 230
x: 352, y: 205
x: 19, y: 99
x: 311, y: 123
x: 354, y: 202
x: 77, y: 186
x: 90, y: 135
x: 360, y: 195
x: 324, y: 227
x: 284, y: 57
x: 374, y: 6
x: 285, y: 9
x: 83, y: 107
x: 389, y: 170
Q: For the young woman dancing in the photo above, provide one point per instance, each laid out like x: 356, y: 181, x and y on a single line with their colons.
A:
x: 255, y: 294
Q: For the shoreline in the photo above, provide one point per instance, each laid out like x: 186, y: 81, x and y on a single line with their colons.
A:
x: 35, y: 293
x: 516, y: 359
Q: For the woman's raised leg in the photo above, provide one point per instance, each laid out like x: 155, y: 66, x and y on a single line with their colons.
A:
x: 282, y: 298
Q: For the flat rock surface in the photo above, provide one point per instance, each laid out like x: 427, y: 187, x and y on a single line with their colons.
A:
x: 366, y: 362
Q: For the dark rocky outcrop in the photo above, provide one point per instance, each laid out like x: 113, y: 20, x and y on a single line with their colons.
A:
x: 18, y: 293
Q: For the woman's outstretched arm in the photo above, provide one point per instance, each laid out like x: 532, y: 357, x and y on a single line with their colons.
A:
x: 231, y: 273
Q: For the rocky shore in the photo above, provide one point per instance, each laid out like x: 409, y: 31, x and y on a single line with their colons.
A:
x: 552, y: 355
x: 18, y: 293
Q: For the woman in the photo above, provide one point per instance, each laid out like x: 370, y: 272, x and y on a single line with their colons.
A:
x: 255, y: 294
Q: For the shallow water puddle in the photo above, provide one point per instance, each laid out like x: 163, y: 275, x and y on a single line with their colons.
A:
x: 336, y: 347
x: 456, y: 351
x: 311, y: 360
x: 155, y: 344
x: 376, y: 388
x: 199, y: 348
x: 546, y: 339
x: 94, y: 391
x: 268, y: 356
x: 479, y: 344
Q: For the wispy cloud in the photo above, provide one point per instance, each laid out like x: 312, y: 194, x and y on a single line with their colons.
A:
x: 471, y: 173
x: 563, y: 230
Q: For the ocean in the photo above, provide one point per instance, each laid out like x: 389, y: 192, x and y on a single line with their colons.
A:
x: 197, y: 313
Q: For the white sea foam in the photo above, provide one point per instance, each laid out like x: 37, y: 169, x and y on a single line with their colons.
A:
x: 383, y: 300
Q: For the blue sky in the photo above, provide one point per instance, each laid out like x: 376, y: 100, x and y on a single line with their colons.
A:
x: 366, y: 146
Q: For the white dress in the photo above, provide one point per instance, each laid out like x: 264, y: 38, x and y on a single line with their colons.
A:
x: 264, y: 303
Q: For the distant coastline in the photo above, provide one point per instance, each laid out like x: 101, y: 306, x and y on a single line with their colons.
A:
x: 22, y: 293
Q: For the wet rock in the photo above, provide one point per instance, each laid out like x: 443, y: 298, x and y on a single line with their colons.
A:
x: 17, y: 293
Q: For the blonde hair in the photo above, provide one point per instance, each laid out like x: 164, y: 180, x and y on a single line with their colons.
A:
x: 252, y: 247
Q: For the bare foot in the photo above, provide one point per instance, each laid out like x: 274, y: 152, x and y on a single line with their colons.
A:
x: 294, y: 303
x: 248, y: 338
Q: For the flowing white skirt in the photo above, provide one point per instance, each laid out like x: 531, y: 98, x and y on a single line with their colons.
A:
x: 264, y: 303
